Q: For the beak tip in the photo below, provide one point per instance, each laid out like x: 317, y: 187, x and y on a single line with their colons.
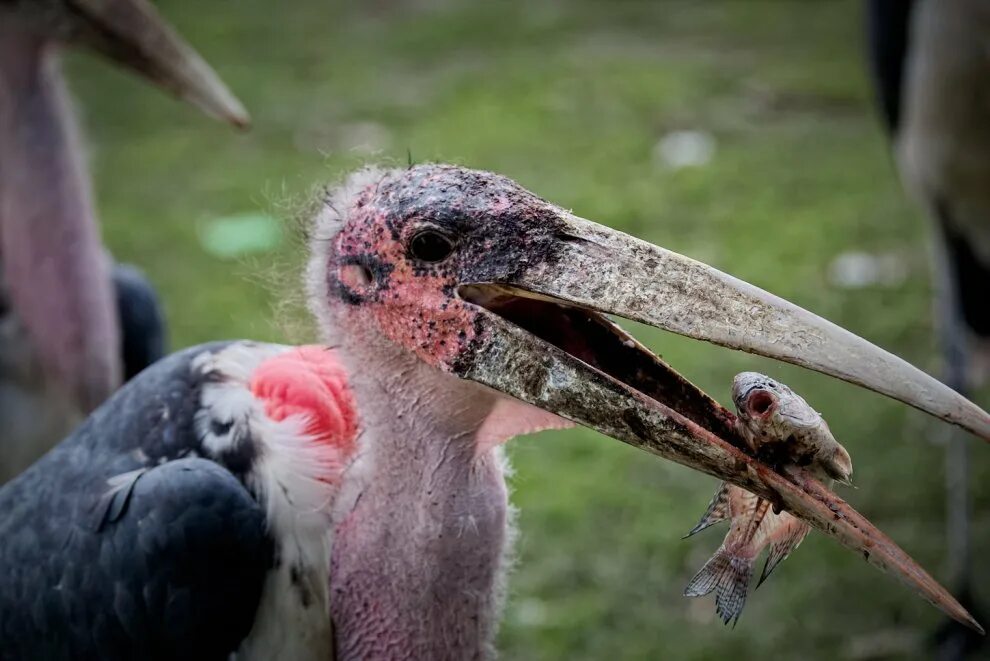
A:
x: 968, y: 620
x: 134, y: 35
x: 975, y: 626
x: 218, y: 102
x: 240, y: 121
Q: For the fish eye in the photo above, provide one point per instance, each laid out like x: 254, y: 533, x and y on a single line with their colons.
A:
x: 431, y: 246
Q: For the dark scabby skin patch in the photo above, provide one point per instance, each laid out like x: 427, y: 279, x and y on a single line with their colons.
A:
x: 453, y: 198
x: 497, y: 226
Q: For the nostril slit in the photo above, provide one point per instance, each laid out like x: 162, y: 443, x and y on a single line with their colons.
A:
x: 569, y: 238
x: 760, y: 402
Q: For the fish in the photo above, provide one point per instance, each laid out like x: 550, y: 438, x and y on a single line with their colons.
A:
x: 781, y: 428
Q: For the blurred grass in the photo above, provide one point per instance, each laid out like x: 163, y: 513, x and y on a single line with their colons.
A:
x: 569, y: 98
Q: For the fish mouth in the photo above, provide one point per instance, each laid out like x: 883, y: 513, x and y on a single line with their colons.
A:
x: 758, y: 404
x: 546, y: 338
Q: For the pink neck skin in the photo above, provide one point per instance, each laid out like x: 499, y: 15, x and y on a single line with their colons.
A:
x: 418, y: 563
x: 54, y: 270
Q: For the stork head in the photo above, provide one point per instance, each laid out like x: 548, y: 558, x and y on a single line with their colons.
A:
x: 133, y: 34
x: 409, y: 241
x: 478, y: 277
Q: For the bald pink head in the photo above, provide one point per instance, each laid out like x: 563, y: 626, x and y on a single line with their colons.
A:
x: 393, y: 247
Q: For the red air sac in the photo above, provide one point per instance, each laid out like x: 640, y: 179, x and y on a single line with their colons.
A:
x: 309, y: 381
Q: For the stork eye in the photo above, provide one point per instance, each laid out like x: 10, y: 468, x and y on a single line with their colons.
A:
x: 431, y: 246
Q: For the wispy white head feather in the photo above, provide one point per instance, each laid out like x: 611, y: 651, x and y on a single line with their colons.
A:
x: 337, y: 204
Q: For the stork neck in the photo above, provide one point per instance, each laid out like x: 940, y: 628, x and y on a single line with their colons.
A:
x: 54, y: 269
x: 417, y: 562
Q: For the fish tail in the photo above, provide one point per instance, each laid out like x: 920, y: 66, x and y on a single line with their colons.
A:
x: 795, y: 534
x: 729, y: 576
x: 718, y: 510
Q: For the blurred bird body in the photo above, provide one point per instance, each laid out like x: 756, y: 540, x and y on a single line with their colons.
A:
x: 55, y: 272
x: 932, y: 74
x: 36, y: 411
x: 784, y: 430
x: 65, y: 304
x: 931, y: 70
x: 943, y: 148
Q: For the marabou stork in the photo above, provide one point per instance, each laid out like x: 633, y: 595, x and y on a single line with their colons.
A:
x: 931, y: 69
x: 35, y: 412
x: 347, y: 500
x: 72, y: 315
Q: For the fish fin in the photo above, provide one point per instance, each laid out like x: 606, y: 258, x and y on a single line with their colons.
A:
x: 729, y: 577
x: 789, y: 537
x: 718, y: 510
x: 708, y: 577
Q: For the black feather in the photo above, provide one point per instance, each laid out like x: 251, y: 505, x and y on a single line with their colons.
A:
x: 176, y: 564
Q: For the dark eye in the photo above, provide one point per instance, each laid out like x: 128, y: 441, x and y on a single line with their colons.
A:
x: 431, y: 246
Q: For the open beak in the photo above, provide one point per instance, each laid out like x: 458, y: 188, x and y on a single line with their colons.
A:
x: 133, y: 34
x: 543, y: 338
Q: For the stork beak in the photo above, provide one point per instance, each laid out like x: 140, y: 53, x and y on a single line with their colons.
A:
x: 133, y: 34
x: 543, y: 338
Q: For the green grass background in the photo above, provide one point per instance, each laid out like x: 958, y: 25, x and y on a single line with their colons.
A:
x: 569, y: 98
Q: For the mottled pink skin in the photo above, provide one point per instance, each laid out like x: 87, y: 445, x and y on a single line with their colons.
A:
x: 416, y: 564
x: 414, y: 311
x: 500, y: 205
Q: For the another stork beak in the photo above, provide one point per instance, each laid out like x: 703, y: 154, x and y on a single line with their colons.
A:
x: 543, y: 338
x: 132, y: 33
